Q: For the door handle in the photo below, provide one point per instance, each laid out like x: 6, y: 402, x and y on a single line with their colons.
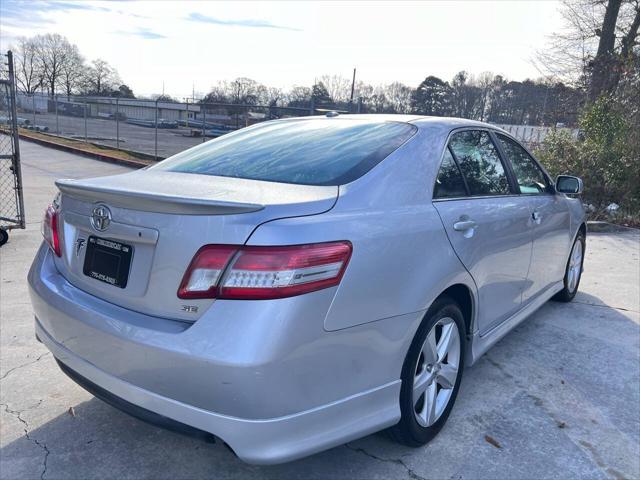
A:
x: 464, y: 225
x: 537, y: 218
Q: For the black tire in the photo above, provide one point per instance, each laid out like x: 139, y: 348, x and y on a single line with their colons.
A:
x: 408, y: 431
x: 567, y: 293
x: 4, y: 236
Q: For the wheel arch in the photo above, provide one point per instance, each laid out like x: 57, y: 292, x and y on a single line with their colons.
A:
x: 463, y: 296
x: 582, y: 228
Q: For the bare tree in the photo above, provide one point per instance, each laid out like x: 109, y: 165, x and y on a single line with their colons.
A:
x: 629, y: 57
x: 398, y: 96
x: 605, y: 60
x: 378, y: 101
x: 73, y: 71
x: 298, y: 96
x: 485, y: 80
x: 217, y: 94
x: 339, y: 88
x: 631, y: 17
x: 367, y: 93
x: 53, y: 51
x: 270, y: 96
x: 597, y: 40
x: 100, y: 78
x: 570, y: 50
x: 29, y: 74
x: 242, y: 90
x: 466, y: 95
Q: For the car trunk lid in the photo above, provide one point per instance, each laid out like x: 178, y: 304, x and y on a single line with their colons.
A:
x: 164, y: 218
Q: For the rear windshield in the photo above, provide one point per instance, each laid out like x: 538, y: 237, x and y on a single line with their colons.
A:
x: 308, y: 152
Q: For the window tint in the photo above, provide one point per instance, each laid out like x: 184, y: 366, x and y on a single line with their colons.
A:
x: 528, y: 175
x: 480, y: 163
x: 449, y: 182
x: 308, y: 152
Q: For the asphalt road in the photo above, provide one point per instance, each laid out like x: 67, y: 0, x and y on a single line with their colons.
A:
x: 560, y: 395
x: 132, y: 137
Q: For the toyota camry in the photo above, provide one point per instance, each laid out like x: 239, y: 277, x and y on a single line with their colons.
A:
x: 304, y: 282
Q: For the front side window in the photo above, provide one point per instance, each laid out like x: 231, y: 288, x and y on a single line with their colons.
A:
x: 528, y: 175
x: 480, y: 163
x: 306, y: 152
x: 449, y: 182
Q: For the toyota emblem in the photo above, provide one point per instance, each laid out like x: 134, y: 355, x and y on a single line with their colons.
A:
x: 101, y: 217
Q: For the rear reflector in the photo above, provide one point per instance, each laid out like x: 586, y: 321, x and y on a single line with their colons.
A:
x: 50, y: 229
x: 256, y: 273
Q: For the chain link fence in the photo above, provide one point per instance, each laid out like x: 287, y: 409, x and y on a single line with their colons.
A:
x: 8, y: 198
x: 11, y: 201
x: 153, y: 128
x: 533, y: 136
x: 159, y: 129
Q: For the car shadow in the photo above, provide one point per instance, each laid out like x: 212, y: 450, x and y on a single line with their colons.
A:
x: 522, y: 380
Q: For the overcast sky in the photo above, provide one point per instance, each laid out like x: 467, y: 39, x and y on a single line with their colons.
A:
x: 283, y: 44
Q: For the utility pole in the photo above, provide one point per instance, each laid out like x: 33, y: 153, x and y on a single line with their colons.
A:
x: 353, y: 87
x: 155, y: 149
x: 117, y: 124
x: 204, y: 117
x: 55, y: 102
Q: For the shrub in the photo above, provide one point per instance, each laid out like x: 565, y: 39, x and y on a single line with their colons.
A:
x: 605, y: 157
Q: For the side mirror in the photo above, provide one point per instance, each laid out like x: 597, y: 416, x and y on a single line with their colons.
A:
x: 569, y: 185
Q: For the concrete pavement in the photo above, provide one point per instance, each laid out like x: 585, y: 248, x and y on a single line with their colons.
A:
x: 559, y: 397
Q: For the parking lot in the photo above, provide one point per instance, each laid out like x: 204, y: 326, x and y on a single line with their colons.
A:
x: 559, y: 397
x: 132, y: 137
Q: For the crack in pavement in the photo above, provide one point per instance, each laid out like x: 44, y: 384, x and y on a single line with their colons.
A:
x: 538, y: 402
x: 17, y: 414
x: 605, y: 306
x: 25, y: 365
x: 396, y: 461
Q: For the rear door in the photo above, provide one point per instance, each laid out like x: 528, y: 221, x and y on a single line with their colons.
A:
x: 550, y: 218
x: 487, y: 222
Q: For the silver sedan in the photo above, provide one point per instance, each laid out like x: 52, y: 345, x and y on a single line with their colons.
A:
x: 304, y: 282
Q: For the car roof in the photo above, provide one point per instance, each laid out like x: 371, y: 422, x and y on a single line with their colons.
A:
x: 420, y: 121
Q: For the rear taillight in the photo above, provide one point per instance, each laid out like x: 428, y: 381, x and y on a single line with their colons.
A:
x: 201, y: 278
x: 50, y: 229
x: 256, y: 273
x: 276, y: 272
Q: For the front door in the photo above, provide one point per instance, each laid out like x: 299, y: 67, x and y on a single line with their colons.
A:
x: 488, y: 224
x: 550, y: 215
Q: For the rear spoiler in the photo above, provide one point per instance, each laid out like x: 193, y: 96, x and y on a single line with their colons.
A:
x: 148, y: 201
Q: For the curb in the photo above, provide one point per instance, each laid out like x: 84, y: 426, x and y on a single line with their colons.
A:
x: 96, y: 156
x: 606, y: 227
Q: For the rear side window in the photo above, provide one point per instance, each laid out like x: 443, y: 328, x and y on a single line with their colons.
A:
x: 449, y: 182
x: 308, y: 152
x: 528, y: 175
x: 480, y: 163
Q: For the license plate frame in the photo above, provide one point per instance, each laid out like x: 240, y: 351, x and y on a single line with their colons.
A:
x: 108, y: 261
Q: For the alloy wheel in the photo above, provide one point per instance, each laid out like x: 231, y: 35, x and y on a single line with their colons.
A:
x: 575, y: 266
x: 436, y: 371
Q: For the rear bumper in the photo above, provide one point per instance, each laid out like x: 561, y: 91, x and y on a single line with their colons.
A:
x: 132, y: 409
x: 269, y: 441
x: 251, y: 389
